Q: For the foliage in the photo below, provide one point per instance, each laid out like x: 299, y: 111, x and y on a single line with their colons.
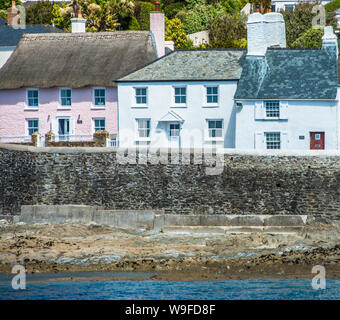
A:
x: 300, y: 20
x: 263, y: 4
x: 174, y: 30
x: 228, y: 31
x: 312, y: 38
x: 332, y: 6
x: 5, y: 4
x: 142, y: 13
x: 40, y: 13
x: 172, y: 9
x: 134, y: 24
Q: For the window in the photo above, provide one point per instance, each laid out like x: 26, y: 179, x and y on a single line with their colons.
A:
x: 272, y: 109
x: 99, y: 124
x: 33, y: 97
x: 174, y: 129
x: 65, y: 97
x: 181, y: 95
x: 141, y: 95
x: 99, y: 97
x: 215, y: 128
x: 212, y: 94
x: 273, y: 8
x: 143, y: 128
x: 273, y: 140
x: 32, y: 125
x: 289, y: 7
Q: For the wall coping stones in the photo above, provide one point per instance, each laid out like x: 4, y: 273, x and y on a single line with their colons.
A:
x: 230, y: 151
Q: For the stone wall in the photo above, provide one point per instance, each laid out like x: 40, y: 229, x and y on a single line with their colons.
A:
x: 254, y: 183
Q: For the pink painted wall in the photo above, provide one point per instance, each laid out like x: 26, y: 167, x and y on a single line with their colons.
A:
x: 14, y: 111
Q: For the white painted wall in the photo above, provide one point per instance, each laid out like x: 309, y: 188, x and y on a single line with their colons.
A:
x: 5, y: 53
x: 198, y: 38
x: 195, y: 113
x: 280, y: 4
x: 302, y: 117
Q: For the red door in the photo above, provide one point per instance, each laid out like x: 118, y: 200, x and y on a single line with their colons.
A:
x: 317, y: 140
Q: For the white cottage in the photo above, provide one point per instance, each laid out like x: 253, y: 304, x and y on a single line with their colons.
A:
x: 286, y: 98
x: 184, y: 99
x: 265, y: 97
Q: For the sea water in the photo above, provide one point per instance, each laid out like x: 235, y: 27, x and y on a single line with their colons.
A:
x: 40, y: 287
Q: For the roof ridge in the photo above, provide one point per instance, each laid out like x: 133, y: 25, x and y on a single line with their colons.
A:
x: 85, y: 35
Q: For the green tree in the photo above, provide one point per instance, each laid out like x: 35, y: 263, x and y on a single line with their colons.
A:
x: 40, y: 13
x: 332, y: 6
x: 174, y: 30
x: 134, y: 24
x: 312, y: 38
x: 300, y: 20
x: 228, y: 31
x: 142, y: 13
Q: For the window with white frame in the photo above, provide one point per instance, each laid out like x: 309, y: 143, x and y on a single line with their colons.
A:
x: 141, y: 95
x: 99, y: 124
x: 272, y: 109
x: 32, y: 126
x: 99, y: 97
x: 66, y: 97
x: 174, y: 129
x: 181, y: 95
x: 215, y: 128
x: 212, y: 94
x: 273, y: 140
x: 33, y: 97
x: 143, y: 128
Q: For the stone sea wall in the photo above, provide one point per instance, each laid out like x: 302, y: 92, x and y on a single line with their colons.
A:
x: 248, y: 183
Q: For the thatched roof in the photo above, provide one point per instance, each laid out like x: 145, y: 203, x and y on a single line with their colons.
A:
x: 76, y: 60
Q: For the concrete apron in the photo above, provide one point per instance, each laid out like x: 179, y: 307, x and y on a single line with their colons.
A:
x: 158, y: 221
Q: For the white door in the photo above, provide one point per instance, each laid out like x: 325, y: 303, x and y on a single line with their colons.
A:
x: 174, y: 134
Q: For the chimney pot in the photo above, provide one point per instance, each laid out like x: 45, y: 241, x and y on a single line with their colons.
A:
x: 12, y: 15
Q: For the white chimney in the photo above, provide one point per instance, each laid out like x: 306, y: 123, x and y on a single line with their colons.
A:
x: 78, y: 23
x: 330, y: 41
x: 275, y: 30
x: 264, y: 31
x: 256, y: 39
x: 157, y: 27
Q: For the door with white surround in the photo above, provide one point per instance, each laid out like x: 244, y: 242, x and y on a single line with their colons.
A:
x: 174, y: 130
x: 64, y: 129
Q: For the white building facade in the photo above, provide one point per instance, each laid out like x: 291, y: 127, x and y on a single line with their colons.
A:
x: 177, y: 114
x: 265, y: 97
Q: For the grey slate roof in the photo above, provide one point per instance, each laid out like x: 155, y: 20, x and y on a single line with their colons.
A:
x: 3, y: 22
x: 289, y: 74
x: 76, y: 60
x: 180, y: 65
x: 10, y: 37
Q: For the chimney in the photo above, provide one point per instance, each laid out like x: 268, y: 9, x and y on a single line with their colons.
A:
x: 256, y: 40
x: 157, y: 28
x: 275, y: 30
x: 264, y: 31
x: 12, y: 14
x: 330, y: 42
x: 78, y: 23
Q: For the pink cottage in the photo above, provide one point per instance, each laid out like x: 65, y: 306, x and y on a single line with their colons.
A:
x: 64, y: 82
